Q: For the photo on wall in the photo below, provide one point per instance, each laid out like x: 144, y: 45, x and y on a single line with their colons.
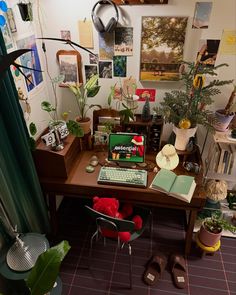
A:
x: 202, y: 15
x: 93, y: 59
x: 90, y: 71
x: 162, y: 43
x: 207, y: 52
x: 119, y: 66
x: 106, y: 46
x: 105, y: 69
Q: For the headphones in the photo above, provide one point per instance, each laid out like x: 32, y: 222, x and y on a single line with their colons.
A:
x: 98, y: 22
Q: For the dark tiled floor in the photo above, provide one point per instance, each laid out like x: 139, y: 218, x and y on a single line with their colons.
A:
x: 212, y: 275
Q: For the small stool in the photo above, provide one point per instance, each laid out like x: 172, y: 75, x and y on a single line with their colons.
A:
x: 207, y: 249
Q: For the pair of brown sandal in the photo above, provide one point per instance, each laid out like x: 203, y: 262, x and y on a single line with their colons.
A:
x: 157, y: 264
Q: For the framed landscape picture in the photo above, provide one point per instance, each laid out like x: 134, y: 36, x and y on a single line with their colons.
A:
x: 162, y: 43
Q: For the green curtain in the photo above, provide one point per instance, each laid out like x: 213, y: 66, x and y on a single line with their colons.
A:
x: 20, y: 190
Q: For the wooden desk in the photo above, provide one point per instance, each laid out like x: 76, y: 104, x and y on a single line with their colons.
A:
x: 80, y: 184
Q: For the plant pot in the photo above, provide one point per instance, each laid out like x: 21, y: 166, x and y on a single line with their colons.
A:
x: 208, y: 238
x: 85, y: 124
x: 223, y: 121
x: 26, y: 11
x: 182, y: 137
x: 60, y: 131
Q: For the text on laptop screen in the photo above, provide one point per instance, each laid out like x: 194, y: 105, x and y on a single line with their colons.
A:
x: 125, y: 147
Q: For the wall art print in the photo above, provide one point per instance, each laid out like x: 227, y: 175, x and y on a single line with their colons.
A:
x: 30, y: 60
x: 202, y: 15
x: 106, y: 46
x: 105, y: 69
x: 162, y: 43
x: 207, y: 52
x: 123, y: 41
x: 143, y: 93
x: 119, y: 66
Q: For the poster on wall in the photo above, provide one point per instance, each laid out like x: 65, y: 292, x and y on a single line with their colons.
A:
x: 228, y: 42
x: 162, y: 43
x: 106, y: 46
x: 65, y: 34
x: 207, y: 52
x: 7, y: 37
x: 202, y: 15
x: 123, y: 41
x: 30, y: 60
x: 90, y: 70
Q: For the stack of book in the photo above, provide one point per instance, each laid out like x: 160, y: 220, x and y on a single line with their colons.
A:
x: 224, y: 158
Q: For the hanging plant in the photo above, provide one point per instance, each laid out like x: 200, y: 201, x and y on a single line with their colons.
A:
x: 26, y: 11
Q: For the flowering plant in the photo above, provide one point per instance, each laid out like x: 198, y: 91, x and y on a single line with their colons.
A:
x: 187, y: 108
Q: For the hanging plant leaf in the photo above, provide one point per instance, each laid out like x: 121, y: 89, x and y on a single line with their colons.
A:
x: 58, y: 79
x: 46, y: 106
x: 32, y: 129
x: 44, y: 274
x: 91, y: 92
x: 75, y: 128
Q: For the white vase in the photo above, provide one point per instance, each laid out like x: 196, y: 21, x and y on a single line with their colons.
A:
x: 182, y: 137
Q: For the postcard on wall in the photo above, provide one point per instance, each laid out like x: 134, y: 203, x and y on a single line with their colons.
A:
x: 162, y: 44
x: 93, y: 59
x: 207, y: 52
x: 202, y: 15
x: 228, y: 42
x: 90, y: 70
x: 65, y: 34
x: 30, y: 60
x: 106, y: 46
x: 143, y: 93
x: 85, y: 33
x: 105, y: 69
x: 7, y: 37
x: 11, y: 20
x: 123, y: 41
x: 119, y: 66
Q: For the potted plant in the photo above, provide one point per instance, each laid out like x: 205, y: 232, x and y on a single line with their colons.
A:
x: 187, y: 108
x: 226, y: 115
x: 81, y: 93
x: 211, y: 229
x: 25, y: 9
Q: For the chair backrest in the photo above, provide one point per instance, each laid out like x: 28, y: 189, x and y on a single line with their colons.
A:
x: 121, y: 224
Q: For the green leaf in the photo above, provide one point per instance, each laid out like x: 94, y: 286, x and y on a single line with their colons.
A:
x: 75, y: 128
x: 32, y: 128
x: 91, y: 82
x: 46, y: 106
x: 58, y: 79
x: 111, y: 95
x: 93, y: 91
x: 43, y: 275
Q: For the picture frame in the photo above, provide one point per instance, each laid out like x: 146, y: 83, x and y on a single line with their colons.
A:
x: 70, y: 65
x: 161, y: 51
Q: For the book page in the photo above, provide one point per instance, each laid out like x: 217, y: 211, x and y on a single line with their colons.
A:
x: 163, y: 180
x: 185, y: 197
x: 182, y: 184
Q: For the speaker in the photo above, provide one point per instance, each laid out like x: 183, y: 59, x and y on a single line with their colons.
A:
x: 112, y: 23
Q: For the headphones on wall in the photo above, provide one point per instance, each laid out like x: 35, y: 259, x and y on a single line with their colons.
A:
x: 98, y: 22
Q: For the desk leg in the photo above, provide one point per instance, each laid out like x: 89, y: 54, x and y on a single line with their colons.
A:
x: 189, y: 232
x: 53, y: 213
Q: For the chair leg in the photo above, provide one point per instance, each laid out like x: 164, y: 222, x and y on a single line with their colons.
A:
x: 130, y: 266
x: 91, y: 246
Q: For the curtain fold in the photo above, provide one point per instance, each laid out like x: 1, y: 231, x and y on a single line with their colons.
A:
x: 20, y: 190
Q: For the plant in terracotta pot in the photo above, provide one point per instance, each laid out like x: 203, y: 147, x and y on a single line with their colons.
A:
x: 82, y: 93
x: 226, y: 115
x: 186, y: 108
x: 211, y: 229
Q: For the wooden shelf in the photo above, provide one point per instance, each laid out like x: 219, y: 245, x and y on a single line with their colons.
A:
x: 139, y: 2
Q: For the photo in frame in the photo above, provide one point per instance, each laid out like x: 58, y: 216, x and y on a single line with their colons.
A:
x: 162, y: 44
x: 70, y: 67
x: 207, y: 52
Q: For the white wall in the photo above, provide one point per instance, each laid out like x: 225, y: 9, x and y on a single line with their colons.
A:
x: 59, y: 15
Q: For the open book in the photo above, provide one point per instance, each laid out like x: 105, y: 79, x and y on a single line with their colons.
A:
x: 181, y: 187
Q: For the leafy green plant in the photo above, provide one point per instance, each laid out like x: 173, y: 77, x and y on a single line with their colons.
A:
x: 216, y: 224
x: 46, y: 269
x: 82, y: 92
x: 191, y: 103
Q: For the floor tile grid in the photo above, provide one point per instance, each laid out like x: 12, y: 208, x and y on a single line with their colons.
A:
x: 216, y: 267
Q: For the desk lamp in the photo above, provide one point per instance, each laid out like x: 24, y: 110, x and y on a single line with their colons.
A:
x: 26, y: 248
x: 167, y: 158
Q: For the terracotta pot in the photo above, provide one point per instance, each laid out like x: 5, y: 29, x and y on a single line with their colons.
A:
x: 182, y: 137
x: 207, y: 238
x: 223, y: 121
x: 85, y: 124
